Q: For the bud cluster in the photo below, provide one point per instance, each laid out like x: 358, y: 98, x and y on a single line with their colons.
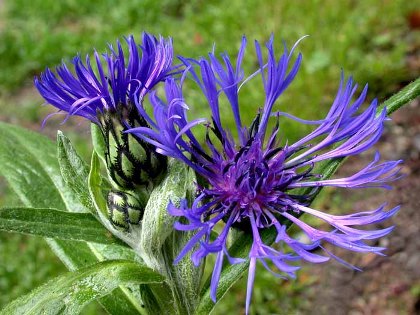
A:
x: 134, y: 167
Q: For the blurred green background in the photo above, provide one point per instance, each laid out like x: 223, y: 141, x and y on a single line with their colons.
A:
x: 370, y: 39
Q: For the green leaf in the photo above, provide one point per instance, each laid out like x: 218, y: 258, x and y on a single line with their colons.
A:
x: 56, y: 224
x: 98, y: 141
x: 29, y: 164
x: 157, y: 223
x: 95, y: 186
x: 122, y: 300
x: 158, y: 303
x: 160, y: 243
x: 73, y: 170
x: 185, y: 275
x: 69, y: 293
x: 241, y: 247
x: 149, y: 300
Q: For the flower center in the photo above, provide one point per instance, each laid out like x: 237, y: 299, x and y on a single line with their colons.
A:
x: 253, y: 181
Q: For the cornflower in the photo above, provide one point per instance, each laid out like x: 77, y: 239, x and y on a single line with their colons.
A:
x: 251, y: 183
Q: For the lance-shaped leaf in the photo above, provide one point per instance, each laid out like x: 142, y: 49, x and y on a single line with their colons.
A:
x: 158, y: 242
x: 69, y: 293
x: 73, y: 170
x: 95, y: 187
x: 29, y: 164
x: 157, y: 223
x: 98, y: 141
x: 56, y: 224
x: 186, y: 276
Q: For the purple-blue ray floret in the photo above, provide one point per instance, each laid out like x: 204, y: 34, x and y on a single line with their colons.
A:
x: 254, y: 183
x: 112, y: 80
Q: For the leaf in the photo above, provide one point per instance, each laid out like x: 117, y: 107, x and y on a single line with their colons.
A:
x: 56, y: 224
x: 241, y: 247
x: 73, y: 170
x: 29, y: 164
x: 157, y: 298
x: 160, y: 243
x: 186, y: 276
x: 95, y: 186
x: 157, y: 223
x: 69, y: 293
x: 98, y: 141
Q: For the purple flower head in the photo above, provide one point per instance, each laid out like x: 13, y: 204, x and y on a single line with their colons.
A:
x: 254, y: 183
x: 107, y: 93
x: 94, y: 89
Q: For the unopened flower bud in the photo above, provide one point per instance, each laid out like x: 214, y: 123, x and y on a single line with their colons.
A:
x: 124, y: 209
x: 131, y: 162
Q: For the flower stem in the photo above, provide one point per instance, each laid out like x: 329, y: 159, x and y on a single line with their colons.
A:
x: 401, y: 98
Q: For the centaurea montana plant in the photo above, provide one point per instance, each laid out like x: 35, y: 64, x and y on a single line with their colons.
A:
x: 171, y: 197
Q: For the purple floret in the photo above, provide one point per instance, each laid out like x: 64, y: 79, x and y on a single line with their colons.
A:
x: 113, y: 81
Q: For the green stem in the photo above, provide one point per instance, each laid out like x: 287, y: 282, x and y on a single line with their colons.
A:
x: 241, y: 247
x: 407, y: 94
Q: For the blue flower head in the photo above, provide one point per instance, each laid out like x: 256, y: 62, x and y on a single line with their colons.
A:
x: 251, y: 182
x: 109, y: 85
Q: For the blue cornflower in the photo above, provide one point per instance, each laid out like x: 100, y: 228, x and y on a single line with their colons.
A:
x: 107, y: 93
x: 251, y: 182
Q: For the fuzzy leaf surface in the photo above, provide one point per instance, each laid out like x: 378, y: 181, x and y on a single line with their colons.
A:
x: 55, y: 223
x: 69, y: 293
x: 29, y: 163
x: 73, y: 170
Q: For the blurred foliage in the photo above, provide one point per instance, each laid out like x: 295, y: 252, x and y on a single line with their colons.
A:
x: 368, y: 39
